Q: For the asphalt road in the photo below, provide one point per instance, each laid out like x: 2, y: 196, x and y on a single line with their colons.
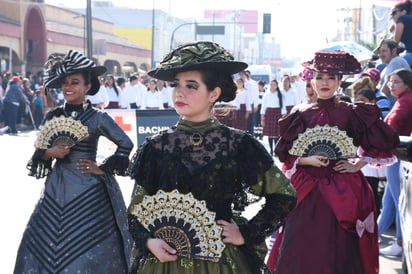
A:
x: 21, y: 192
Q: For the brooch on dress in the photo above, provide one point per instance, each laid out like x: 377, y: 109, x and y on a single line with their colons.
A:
x: 328, y: 141
x: 183, y: 222
x: 196, y: 139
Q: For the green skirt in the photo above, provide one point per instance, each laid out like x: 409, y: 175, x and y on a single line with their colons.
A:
x: 233, y: 261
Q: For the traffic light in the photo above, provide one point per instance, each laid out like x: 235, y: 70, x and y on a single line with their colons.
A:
x: 266, y: 23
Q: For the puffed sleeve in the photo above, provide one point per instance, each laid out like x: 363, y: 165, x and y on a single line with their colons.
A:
x: 280, y: 196
x: 376, y: 140
x: 289, y: 128
x: 119, y: 161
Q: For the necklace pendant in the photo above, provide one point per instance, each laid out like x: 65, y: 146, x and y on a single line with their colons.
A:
x: 196, y: 139
x: 74, y: 114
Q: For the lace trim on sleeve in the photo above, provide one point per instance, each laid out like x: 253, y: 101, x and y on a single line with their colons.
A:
x: 37, y: 167
x: 379, y: 162
x: 115, y: 164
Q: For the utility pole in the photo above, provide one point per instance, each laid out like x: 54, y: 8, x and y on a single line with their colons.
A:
x: 153, y: 35
x: 89, y: 30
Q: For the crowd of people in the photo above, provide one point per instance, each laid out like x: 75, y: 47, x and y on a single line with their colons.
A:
x: 24, y: 107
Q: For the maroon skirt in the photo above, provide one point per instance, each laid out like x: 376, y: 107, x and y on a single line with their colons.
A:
x: 240, y: 118
x: 113, y: 104
x: 271, y: 118
x: 225, y: 115
x: 289, y: 108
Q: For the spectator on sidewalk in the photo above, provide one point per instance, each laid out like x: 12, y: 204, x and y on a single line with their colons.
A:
x: 402, y: 16
x: 38, y: 108
x: 399, y: 118
x: 388, y: 51
x: 13, y: 99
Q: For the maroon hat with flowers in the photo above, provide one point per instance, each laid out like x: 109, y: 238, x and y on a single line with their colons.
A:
x: 373, y: 73
x: 306, y: 74
x: 334, y: 62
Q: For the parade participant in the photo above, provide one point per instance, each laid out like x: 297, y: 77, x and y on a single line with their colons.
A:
x: 200, y: 174
x: 307, y: 76
x: 271, y: 111
x: 112, y: 92
x: 332, y: 229
x: 243, y: 105
x: 400, y: 85
x: 79, y: 225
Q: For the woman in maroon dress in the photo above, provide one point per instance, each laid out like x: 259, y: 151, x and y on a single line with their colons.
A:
x: 323, y: 147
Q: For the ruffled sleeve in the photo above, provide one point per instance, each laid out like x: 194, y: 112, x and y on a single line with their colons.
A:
x: 38, y: 167
x: 376, y: 140
x: 141, y: 170
x: 265, y: 180
x: 289, y: 128
x: 139, y: 234
x: 143, y: 165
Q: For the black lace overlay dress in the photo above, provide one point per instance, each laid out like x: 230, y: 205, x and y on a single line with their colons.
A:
x: 225, y: 167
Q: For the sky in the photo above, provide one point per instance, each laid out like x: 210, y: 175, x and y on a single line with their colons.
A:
x: 301, y: 27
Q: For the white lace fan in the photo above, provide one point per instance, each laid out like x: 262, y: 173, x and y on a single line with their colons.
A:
x: 183, y: 222
x: 60, y: 131
x: 325, y: 141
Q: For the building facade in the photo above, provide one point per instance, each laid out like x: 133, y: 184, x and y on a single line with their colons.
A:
x: 30, y: 31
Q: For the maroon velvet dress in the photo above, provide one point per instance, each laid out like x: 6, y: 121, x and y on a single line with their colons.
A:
x: 320, y: 235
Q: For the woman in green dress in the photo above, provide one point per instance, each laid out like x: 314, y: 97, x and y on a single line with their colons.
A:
x: 194, y: 180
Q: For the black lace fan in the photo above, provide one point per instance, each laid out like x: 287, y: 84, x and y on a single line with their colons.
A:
x: 326, y: 141
x: 183, y: 222
x: 60, y: 130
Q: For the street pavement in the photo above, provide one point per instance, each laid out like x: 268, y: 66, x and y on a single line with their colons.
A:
x: 21, y: 192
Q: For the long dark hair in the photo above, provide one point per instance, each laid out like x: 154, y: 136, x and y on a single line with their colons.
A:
x: 407, y: 6
x: 114, y: 83
x: 280, y: 97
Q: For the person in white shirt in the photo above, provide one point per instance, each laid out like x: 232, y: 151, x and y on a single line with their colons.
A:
x: 132, y: 92
x: 272, y: 109
x: 142, y: 90
x: 121, y: 87
x: 166, y: 92
x: 112, y: 92
x: 152, y: 98
x: 289, y: 94
x: 99, y: 100
x: 252, y: 87
x: 299, y: 86
x: 243, y: 105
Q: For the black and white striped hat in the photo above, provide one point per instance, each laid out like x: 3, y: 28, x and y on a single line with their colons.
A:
x: 57, y: 68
